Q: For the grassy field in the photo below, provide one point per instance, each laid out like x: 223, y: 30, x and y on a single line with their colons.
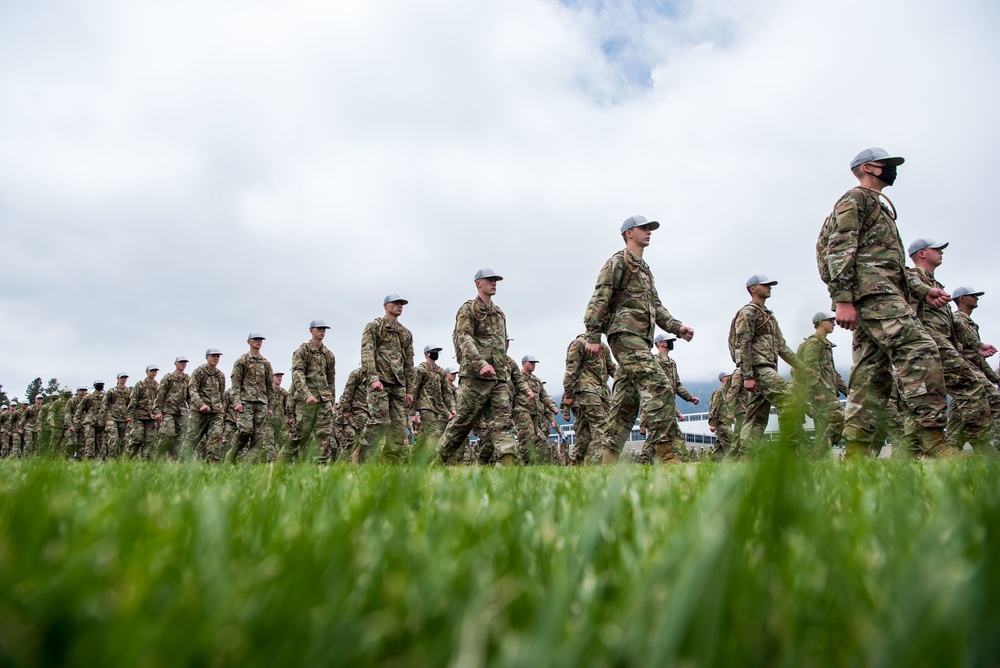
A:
x: 774, y: 563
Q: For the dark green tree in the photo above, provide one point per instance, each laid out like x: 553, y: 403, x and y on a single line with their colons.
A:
x: 51, y: 388
x: 4, y: 399
x: 33, y: 390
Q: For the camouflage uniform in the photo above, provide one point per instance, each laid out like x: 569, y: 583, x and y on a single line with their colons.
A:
x: 314, y: 373
x: 969, y: 418
x: 74, y: 438
x: 31, y: 428
x: 90, y: 414
x: 353, y: 414
x: 253, y: 388
x: 480, y: 338
x: 229, y: 427
x: 386, y: 357
x: 58, y: 428
x: 116, y: 402
x: 13, y: 446
x: 279, y: 418
x: 535, y: 419
x: 626, y: 305
x: 143, y: 415
x: 822, y: 391
x: 967, y: 332
x: 5, y: 432
x: 207, y: 387
x: 545, y: 411
x: 172, y: 402
x: 721, y: 416
x: 675, y: 389
x: 433, y: 399
x: 860, y: 258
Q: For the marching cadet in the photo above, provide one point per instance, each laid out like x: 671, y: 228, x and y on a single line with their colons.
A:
x: 314, y: 374
x: 89, y: 414
x: 967, y: 300
x: 115, y: 409
x: 206, y: 389
x: 433, y: 400
x: 664, y: 343
x: 31, y: 427
x: 58, y: 427
x: 387, y: 363
x: 755, y: 343
x: 720, y: 416
x: 822, y: 390
x: 5, y: 414
x: 353, y: 409
x: 279, y: 412
x: 74, y: 440
x: 253, y: 393
x: 170, y: 409
x: 586, y: 396
x: 142, y: 416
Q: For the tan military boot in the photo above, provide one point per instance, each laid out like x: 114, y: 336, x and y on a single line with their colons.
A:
x: 857, y: 449
x: 935, y: 445
x: 507, y: 459
x: 666, y: 454
x: 609, y: 457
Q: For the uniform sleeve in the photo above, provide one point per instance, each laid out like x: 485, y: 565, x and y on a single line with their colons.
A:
x: 681, y: 391
x: 715, y: 408
x: 161, y: 395
x: 596, y: 315
x: 447, y: 394
x: 465, y: 344
x: 408, y: 369
x: 808, y: 355
x: 369, y: 369
x: 518, y: 379
x: 746, y: 326
x: 299, y: 373
x: 916, y: 285
x: 272, y: 396
x: 574, y: 364
x: 331, y: 375
x: 237, y: 378
x: 419, y: 383
x: 196, y: 400
x: 81, y: 409
x: 841, y: 385
x: 843, y: 250
x: 612, y: 367
x: 786, y: 353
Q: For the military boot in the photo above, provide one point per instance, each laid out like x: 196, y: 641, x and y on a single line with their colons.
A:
x: 857, y: 449
x: 935, y: 445
x: 609, y: 457
x: 666, y: 454
x: 507, y: 459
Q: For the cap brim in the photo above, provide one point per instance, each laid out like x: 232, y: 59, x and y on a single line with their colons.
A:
x: 891, y: 161
x: 652, y: 225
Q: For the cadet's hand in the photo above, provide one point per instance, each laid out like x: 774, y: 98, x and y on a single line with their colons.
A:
x: 568, y: 401
x: 554, y: 426
x: 238, y: 408
x: 937, y: 298
x: 531, y: 395
x: 451, y: 415
x: 681, y: 418
x: 128, y: 419
x: 347, y: 415
x: 269, y: 412
x: 695, y: 400
x: 415, y: 419
x: 847, y: 315
x: 204, y: 408
x: 986, y: 350
x: 377, y: 386
x: 408, y: 399
x: 750, y: 384
x: 685, y: 333
x: 566, y: 416
x: 312, y: 400
x: 711, y: 428
x: 488, y: 370
x: 159, y: 416
x: 292, y: 420
x: 593, y: 349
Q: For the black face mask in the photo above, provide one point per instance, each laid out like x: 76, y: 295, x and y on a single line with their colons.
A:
x: 888, y: 175
x: 670, y: 345
x: 433, y: 355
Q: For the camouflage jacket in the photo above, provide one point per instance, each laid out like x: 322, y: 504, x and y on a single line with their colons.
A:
x: 354, y: 400
x: 229, y: 406
x: 208, y: 384
x: 69, y: 415
x: 172, y: 394
x: 480, y: 338
x: 116, y: 402
x: 57, y: 414
x: 537, y: 406
x: 430, y: 391
x: 314, y: 373
x: 677, y: 388
x: 816, y: 353
x: 586, y: 377
x: 939, y: 322
x: 860, y: 254
x: 719, y: 411
x: 625, y: 301
x: 91, y: 409
x: 387, y: 354
x: 279, y: 408
x: 29, y: 419
x: 517, y: 387
x: 967, y: 332
x: 755, y: 340
x: 253, y: 380
x: 141, y: 406
x: 4, y: 421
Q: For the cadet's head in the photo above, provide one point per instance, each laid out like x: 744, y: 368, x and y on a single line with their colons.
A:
x: 824, y: 321
x: 393, y: 305
x: 81, y: 391
x: 638, y: 229
x: 318, y: 329
x: 180, y: 362
x: 664, y: 343
x: 122, y: 379
x: 452, y: 374
x: 927, y: 253
x: 486, y: 281
x: 759, y: 287
x: 723, y: 376
x: 38, y: 399
x: 432, y: 353
x: 529, y: 362
x: 99, y: 385
x: 278, y: 377
x: 966, y: 298
x: 875, y: 168
x: 212, y: 356
x: 151, y: 371
x: 66, y: 392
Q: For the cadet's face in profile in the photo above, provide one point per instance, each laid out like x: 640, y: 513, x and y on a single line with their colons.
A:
x: 487, y: 285
x: 530, y: 366
x: 180, y: 366
x: 827, y: 326
x: 318, y: 332
x: 213, y: 359
x: 394, y: 308
x: 151, y: 374
x: 255, y: 344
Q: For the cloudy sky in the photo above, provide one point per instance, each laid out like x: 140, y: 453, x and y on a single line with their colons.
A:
x: 176, y: 174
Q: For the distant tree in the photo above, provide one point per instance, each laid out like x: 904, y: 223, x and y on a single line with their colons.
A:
x: 33, y: 390
x: 4, y: 400
x: 51, y: 388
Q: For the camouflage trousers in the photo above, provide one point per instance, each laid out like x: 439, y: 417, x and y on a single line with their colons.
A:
x: 486, y: 402
x: 13, y: 446
x: 94, y: 443
x: 254, y: 440
x: 142, y: 441
x: 386, y: 424
x: 969, y: 416
x: 229, y: 430
x: 640, y: 378
x: 32, y: 441
x: 204, y: 437
x: 527, y: 435
x: 432, y: 426
x: 171, y: 433
x: 828, y: 417
x: 4, y: 444
x: 674, y: 436
x: 993, y: 397
x: 117, y: 437
x: 880, y: 345
x: 313, y: 422
x: 591, y: 414
x: 774, y: 390
x: 282, y: 436
x: 723, y: 439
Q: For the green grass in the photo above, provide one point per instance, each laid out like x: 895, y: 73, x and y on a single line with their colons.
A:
x: 773, y: 563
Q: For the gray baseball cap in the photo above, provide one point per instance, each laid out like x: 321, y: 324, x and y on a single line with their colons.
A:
x: 82, y: 387
x: 99, y: 382
x: 529, y: 358
x: 664, y: 337
x: 3, y: 408
x: 875, y: 154
x: 724, y: 374
x: 966, y: 291
x: 122, y: 375
x: 823, y: 315
x: 152, y: 367
x: 394, y: 298
x: 181, y: 358
x: 760, y: 279
x: 451, y: 369
x: 255, y: 335
x: 278, y: 373
x: 212, y: 351
x: 428, y: 349
x: 638, y: 221
x: 486, y: 272
x: 318, y: 324
x: 927, y: 242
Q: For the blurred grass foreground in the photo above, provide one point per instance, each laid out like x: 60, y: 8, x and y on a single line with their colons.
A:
x: 777, y: 562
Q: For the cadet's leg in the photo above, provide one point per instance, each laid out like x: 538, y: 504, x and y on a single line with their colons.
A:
x: 395, y: 437
x: 778, y: 392
x: 969, y: 418
x: 621, y: 416
x: 378, y: 424
x: 469, y: 406
x: 197, y: 429
x: 649, y: 381
x: 496, y: 415
x: 869, y: 389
